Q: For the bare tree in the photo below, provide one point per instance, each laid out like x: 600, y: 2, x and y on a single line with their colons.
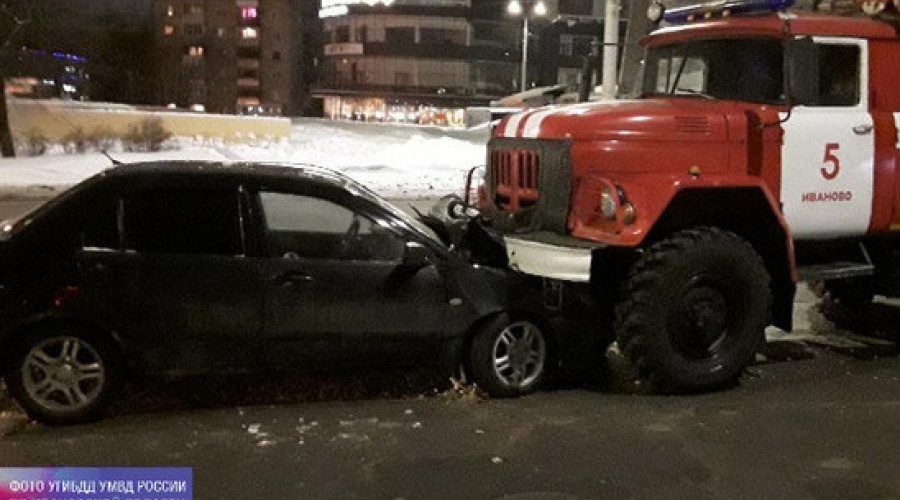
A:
x: 15, y: 21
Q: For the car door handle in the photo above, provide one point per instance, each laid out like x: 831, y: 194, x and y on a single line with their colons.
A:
x: 862, y: 129
x: 293, y: 278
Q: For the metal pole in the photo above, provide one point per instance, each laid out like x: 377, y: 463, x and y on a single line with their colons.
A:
x: 524, y: 83
x: 610, y: 48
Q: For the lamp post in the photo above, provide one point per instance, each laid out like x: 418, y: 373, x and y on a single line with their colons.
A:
x: 538, y: 9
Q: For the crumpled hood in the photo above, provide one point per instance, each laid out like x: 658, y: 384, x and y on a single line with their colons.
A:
x: 645, y: 119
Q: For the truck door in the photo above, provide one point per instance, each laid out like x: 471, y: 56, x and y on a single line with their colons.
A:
x: 828, y: 153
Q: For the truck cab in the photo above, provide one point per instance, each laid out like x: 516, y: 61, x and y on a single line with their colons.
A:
x: 758, y: 151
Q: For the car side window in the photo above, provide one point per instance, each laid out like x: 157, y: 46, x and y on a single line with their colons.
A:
x: 101, y: 227
x: 315, y: 228
x: 183, y: 221
x: 839, y: 75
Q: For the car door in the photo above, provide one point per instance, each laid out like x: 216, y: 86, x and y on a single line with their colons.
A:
x: 337, y: 293
x: 828, y: 156
x: 198, y: 295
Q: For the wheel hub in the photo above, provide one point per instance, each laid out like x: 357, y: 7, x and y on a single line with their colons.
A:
x: 702, y: 319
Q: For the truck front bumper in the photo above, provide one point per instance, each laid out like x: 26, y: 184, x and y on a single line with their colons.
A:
x: 551, y: 255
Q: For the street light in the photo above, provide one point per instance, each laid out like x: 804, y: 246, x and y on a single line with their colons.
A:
x: 515, y: 8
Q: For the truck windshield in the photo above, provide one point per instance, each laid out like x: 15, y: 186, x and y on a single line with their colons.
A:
x: 743, y: 69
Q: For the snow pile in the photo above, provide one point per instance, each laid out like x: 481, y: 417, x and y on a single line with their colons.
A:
x: 396, y: 161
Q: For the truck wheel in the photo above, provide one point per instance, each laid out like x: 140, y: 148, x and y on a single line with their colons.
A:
x: 508, y: 357
x: 694, y: 311
x: 63, y: 375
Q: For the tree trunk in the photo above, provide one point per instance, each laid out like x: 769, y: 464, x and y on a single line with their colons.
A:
x: 6, y: 142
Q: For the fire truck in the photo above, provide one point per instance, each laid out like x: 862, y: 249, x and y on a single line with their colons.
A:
x: 760, y: 150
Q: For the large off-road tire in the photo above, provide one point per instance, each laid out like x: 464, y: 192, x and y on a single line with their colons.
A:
x: 63, y: 374
x: 694, y: 311
x: 509, y: 357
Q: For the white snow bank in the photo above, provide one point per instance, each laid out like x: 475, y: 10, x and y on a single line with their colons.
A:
x: 394, y: 160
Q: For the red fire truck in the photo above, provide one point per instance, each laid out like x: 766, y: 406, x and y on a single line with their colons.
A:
x: 761, y: 150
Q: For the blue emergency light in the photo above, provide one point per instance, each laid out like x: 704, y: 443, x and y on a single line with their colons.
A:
x: 723, y: 8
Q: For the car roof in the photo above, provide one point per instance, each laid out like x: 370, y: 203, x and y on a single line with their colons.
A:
x: 225, y: 169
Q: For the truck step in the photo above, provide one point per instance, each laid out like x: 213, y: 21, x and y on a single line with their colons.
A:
x: 835, y: 271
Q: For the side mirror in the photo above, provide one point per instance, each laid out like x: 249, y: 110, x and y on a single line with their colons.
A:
x: 416, y: 255
x: 802, y: 71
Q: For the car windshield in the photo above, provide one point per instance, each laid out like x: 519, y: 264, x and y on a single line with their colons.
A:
x: 743, y: 69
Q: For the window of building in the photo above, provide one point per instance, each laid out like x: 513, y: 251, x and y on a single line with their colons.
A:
x: 361, y: 33
x: 193, y: 8
x: 193, y: 29
x: 342, y: 34
x: 442, y: 36
x: 195, y: 51
x: 249, y: 32
x: 220, y: 32
x: 276, y: 56
x: 170, y: 10
x: 168, y: 30
x: 249, y: 13
x: 575, y: 45
x: 402, y: 78
x: 575, y: 7
x: 400, y: 36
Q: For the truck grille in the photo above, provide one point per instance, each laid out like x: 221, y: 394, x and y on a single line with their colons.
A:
x: 514, y: 176
x: 527, y: 184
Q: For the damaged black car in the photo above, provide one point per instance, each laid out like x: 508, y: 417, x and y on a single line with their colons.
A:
x: 195, y: 267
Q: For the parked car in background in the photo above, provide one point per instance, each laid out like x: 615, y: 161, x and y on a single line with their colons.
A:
x: 196, y: 267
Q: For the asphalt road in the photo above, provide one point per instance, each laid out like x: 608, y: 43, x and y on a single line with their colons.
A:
x: 820, y: 428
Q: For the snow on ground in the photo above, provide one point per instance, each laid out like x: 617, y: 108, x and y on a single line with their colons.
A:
x: 397, y: 161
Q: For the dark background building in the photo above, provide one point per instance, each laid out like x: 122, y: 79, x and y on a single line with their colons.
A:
x: 234, y: 56
x: 112, y: 35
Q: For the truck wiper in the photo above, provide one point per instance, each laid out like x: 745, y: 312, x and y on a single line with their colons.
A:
x: 692, y: 92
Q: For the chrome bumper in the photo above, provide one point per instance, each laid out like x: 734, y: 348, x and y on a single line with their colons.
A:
x: 549, y: 260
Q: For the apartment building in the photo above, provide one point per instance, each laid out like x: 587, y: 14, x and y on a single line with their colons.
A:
x: 233, y: 56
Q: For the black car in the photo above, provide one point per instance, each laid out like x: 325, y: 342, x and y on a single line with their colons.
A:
x: 188, y: 267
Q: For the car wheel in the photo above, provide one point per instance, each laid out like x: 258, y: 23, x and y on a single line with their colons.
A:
x: 509, y: 357
x: 63, y: 376
x: 694, y: 311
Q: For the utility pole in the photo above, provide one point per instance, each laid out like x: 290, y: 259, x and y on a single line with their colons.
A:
x: 610, y: 48
x: 638, y: 27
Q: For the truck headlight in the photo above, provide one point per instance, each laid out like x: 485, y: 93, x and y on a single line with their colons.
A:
x: 608, y: 203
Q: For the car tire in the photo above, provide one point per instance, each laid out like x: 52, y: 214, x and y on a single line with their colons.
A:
x: 509, y: 357
x: 63, y: 375
x: 694, y: 311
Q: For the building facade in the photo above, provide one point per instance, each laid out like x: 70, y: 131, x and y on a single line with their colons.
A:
x: 417, y: 61
x: 233, y: 56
